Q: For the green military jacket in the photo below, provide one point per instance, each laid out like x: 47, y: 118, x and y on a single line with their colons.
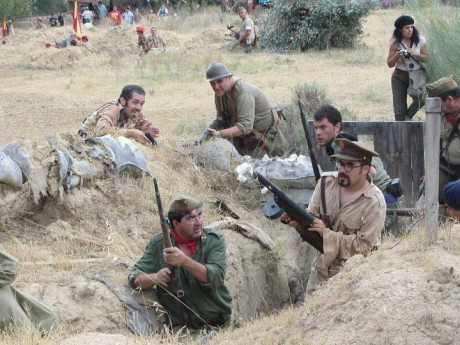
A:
x: 211, y: 301
x: 17, y: 309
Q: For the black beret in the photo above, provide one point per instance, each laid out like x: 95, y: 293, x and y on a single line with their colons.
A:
x: 403, y: 21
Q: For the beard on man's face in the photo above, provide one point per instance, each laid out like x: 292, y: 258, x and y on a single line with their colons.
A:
x: 344, y: 180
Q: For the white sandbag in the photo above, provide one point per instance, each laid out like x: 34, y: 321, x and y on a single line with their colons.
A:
x: 10, y: 172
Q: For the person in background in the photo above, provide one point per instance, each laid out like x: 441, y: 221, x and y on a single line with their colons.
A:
x: 163, y: 12
x: 115, y: 16
x: 61, y: 19
x: 407, y: 51
x: 137, y: 16
x: 128, y: 16
x: 142, y: 41
x: 155, y: 40
x: 245, y: 36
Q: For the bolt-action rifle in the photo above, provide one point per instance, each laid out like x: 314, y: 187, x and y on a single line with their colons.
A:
x: 314, y: 162
x: 297, y: 213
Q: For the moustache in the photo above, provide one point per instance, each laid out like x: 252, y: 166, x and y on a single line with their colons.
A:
x: 343, y: 175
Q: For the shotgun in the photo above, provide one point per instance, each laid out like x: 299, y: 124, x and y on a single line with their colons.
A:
x: 314, y: 162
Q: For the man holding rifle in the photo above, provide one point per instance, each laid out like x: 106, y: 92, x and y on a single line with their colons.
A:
x: 198, y: 259
x: 350, y: 210
x: 328, y: 127
x: 246, y: 116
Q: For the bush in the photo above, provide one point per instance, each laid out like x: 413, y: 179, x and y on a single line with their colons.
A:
x: 297, y: 24
x: 439, y: 25
x: 311, y: 96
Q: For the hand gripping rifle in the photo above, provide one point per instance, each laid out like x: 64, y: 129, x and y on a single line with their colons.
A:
x: 217, y: 123
x: 151, y: 138
x: 185, y: 309
x: 301, y: 216
x: 313, y: 160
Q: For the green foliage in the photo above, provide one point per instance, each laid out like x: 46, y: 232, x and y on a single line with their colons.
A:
x: 311, y: 96
x: 13, y: 9
x: 439, y: 25
x: 50, y: 6
x: 297, y: 24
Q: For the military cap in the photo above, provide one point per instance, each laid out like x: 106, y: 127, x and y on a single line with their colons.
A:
x: 452, y: 194
x: 403, y: 21
x: 139, y: 28
x: 440, y: 86
x: 352, y: 151
x: 184, y: 204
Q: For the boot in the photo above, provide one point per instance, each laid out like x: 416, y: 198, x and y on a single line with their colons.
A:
x: 297, y: 291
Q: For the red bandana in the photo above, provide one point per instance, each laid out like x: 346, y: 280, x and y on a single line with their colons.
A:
x: 190, y: 244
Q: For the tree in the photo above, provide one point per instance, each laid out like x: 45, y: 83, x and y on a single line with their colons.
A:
x: 13, y: 9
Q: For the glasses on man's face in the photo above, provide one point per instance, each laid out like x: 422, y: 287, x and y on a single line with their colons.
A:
x: 347, y: 166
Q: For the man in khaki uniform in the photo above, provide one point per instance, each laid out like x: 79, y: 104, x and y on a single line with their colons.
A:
x: 246, y: 35
x: 122, y: 117
x: 17, y: 309
x: 246, y: 116
x: 350, y: 211
x: 446, y: 88
x: 155, y: 40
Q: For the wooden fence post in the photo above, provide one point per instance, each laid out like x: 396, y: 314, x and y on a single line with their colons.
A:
x: 432, y: 146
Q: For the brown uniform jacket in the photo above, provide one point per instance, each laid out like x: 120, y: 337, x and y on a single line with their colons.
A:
x: 355, y: 227
x: 111, y: 118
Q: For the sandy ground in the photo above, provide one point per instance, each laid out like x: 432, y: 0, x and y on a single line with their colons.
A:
x: 408, y: 294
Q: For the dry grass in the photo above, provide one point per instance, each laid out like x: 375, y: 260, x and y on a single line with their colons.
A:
x: 37, y: 101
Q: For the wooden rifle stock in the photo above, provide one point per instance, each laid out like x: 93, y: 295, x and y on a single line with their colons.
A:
x: 314, y: 162
x: 297, y: 213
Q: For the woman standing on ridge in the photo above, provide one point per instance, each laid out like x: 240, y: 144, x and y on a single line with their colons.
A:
x: 407, y: 51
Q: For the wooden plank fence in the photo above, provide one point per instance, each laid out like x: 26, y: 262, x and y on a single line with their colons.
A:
x: 400, y: 145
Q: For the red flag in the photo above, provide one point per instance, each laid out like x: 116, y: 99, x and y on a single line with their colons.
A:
x: 4, y: 29
x: 76, y: 20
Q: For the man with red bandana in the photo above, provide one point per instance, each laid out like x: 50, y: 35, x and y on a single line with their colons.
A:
x: 198, y: 259
x: 122, y: 117
x: 350, y: 211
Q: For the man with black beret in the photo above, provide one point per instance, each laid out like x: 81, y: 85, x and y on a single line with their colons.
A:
x: 197, y: 259
x: 446, y: 88
x: 350, y: 211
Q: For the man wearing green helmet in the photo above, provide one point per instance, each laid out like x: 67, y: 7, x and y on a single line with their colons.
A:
x: 246, y: 116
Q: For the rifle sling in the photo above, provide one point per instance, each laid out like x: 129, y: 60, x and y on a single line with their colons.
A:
x: 324, y: 215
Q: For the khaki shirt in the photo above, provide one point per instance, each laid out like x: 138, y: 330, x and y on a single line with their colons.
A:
x: 452, y: 153
x: 246, y: 25
x: 246, y: 107
x: 110, y: 118
x: 155, y: 42
x: 355, y: 227
x: 142, y: 43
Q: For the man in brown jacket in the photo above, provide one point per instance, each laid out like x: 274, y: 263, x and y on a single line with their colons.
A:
x: 122, y: 117
x: 350, y: 211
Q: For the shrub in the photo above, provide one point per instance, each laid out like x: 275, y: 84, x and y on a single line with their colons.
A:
x: 439, y: 24
x: 296, y: 24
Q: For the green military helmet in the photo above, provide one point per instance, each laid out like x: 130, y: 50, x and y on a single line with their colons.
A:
x: 216, y: 71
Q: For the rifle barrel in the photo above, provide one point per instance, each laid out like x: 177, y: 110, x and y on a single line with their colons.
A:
x: 313, y: 160
x: 163, y: 221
